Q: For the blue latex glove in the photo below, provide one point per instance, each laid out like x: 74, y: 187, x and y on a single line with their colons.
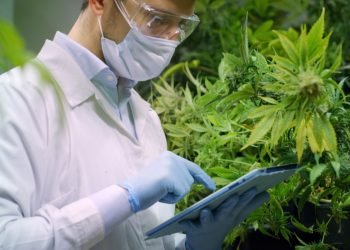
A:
x: 168, y: 178
x: 210, y: 230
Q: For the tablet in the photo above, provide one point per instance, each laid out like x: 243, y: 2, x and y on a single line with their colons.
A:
x: 262, y: 179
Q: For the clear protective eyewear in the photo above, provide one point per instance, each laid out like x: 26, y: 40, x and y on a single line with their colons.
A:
x: 157, y: 23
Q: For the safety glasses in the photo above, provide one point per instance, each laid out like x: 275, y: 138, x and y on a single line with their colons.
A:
x: 157, y: 23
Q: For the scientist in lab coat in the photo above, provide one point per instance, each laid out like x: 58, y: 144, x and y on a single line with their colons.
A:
x: 83, y: 158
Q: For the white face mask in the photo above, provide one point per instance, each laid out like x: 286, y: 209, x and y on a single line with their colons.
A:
x: 138, y: 57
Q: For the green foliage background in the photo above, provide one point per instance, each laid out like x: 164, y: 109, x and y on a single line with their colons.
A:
x: 221, y: 21
x: 229, y: 107
x: 208, y: 103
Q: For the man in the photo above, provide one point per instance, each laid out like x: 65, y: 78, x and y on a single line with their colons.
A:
x: 83, y: 158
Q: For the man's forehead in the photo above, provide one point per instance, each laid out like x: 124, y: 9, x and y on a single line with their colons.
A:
x: 181, y: 7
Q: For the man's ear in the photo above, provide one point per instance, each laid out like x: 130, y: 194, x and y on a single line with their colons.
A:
x: 97, y: 6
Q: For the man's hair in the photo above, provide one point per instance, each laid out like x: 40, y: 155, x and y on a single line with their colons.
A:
x: 84, y: 5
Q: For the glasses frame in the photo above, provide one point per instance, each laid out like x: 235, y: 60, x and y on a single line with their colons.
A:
x: 142, y: 5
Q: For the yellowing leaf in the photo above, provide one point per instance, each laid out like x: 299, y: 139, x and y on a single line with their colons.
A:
x: 260, y: 130
x: 280, y: 127
x: 300, y: 139
x: 330, y: 138
x: 315, y: 147
x: 263, y: 111
x: 276, y: 128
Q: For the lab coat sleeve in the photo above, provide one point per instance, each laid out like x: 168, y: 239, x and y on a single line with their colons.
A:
x: 25, y: 223
x: 180, y: 241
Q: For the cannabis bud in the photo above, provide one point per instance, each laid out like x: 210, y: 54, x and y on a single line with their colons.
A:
x: 311, y: 85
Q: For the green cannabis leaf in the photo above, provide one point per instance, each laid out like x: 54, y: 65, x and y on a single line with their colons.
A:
x: 300, y: 84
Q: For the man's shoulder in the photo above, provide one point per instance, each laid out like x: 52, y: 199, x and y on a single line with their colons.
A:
x: 27, y: 87
x: 30, y: 75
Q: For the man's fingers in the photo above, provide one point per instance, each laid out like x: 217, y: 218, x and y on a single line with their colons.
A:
x: 227, y: 207
x: 199, y: 175
x: 206, y: 217
x: 252, y: 206
x: 188, y: 226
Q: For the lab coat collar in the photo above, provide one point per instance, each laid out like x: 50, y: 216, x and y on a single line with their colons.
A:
x: 75, y: 85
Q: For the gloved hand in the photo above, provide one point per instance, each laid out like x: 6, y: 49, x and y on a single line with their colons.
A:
x: 209, y: 231
x: 168, y: 178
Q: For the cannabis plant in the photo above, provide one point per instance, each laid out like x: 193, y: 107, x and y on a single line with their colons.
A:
x: 267, y: 109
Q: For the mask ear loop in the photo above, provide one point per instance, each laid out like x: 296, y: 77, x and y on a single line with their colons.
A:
x: 100, y: 25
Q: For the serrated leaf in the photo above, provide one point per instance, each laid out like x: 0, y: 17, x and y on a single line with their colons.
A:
x: 261, y: 63
x: 300, y: 139
x: 315, y: 35
x: 262, y: 30
x: 315, y: 148
x: 319, y: 53
x: 288, y: 47
x: 188, y: 97
x: 281, y: 125
x: 245, y: 42
x: 260, y: 130
x: 228, y: 65
x: 234, y: 97
x: 222, y: 172
x: 317, y: 130
x: 301, y: 226
x: 221, y: 181
x: 275, y: 135
x: 214, y: 120
x: 285, y: 234
x: 316, y: 172
x: 346, y: 203
x: 175, y: 131
x: 285, y: 63
x: 263, y: 110
x: 338, y: 60
x: 197, y: 127
x: 303, y: 50
x: 329, y: 135
x: 336, y: 167
x: 268, y: 99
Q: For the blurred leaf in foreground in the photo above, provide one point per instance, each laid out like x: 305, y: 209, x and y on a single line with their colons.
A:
x: 12, y: 48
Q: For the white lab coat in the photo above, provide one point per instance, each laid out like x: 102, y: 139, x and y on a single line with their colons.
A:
x: 61, y: 142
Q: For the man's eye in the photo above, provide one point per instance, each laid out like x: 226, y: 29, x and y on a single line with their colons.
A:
x: 156, y: 21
